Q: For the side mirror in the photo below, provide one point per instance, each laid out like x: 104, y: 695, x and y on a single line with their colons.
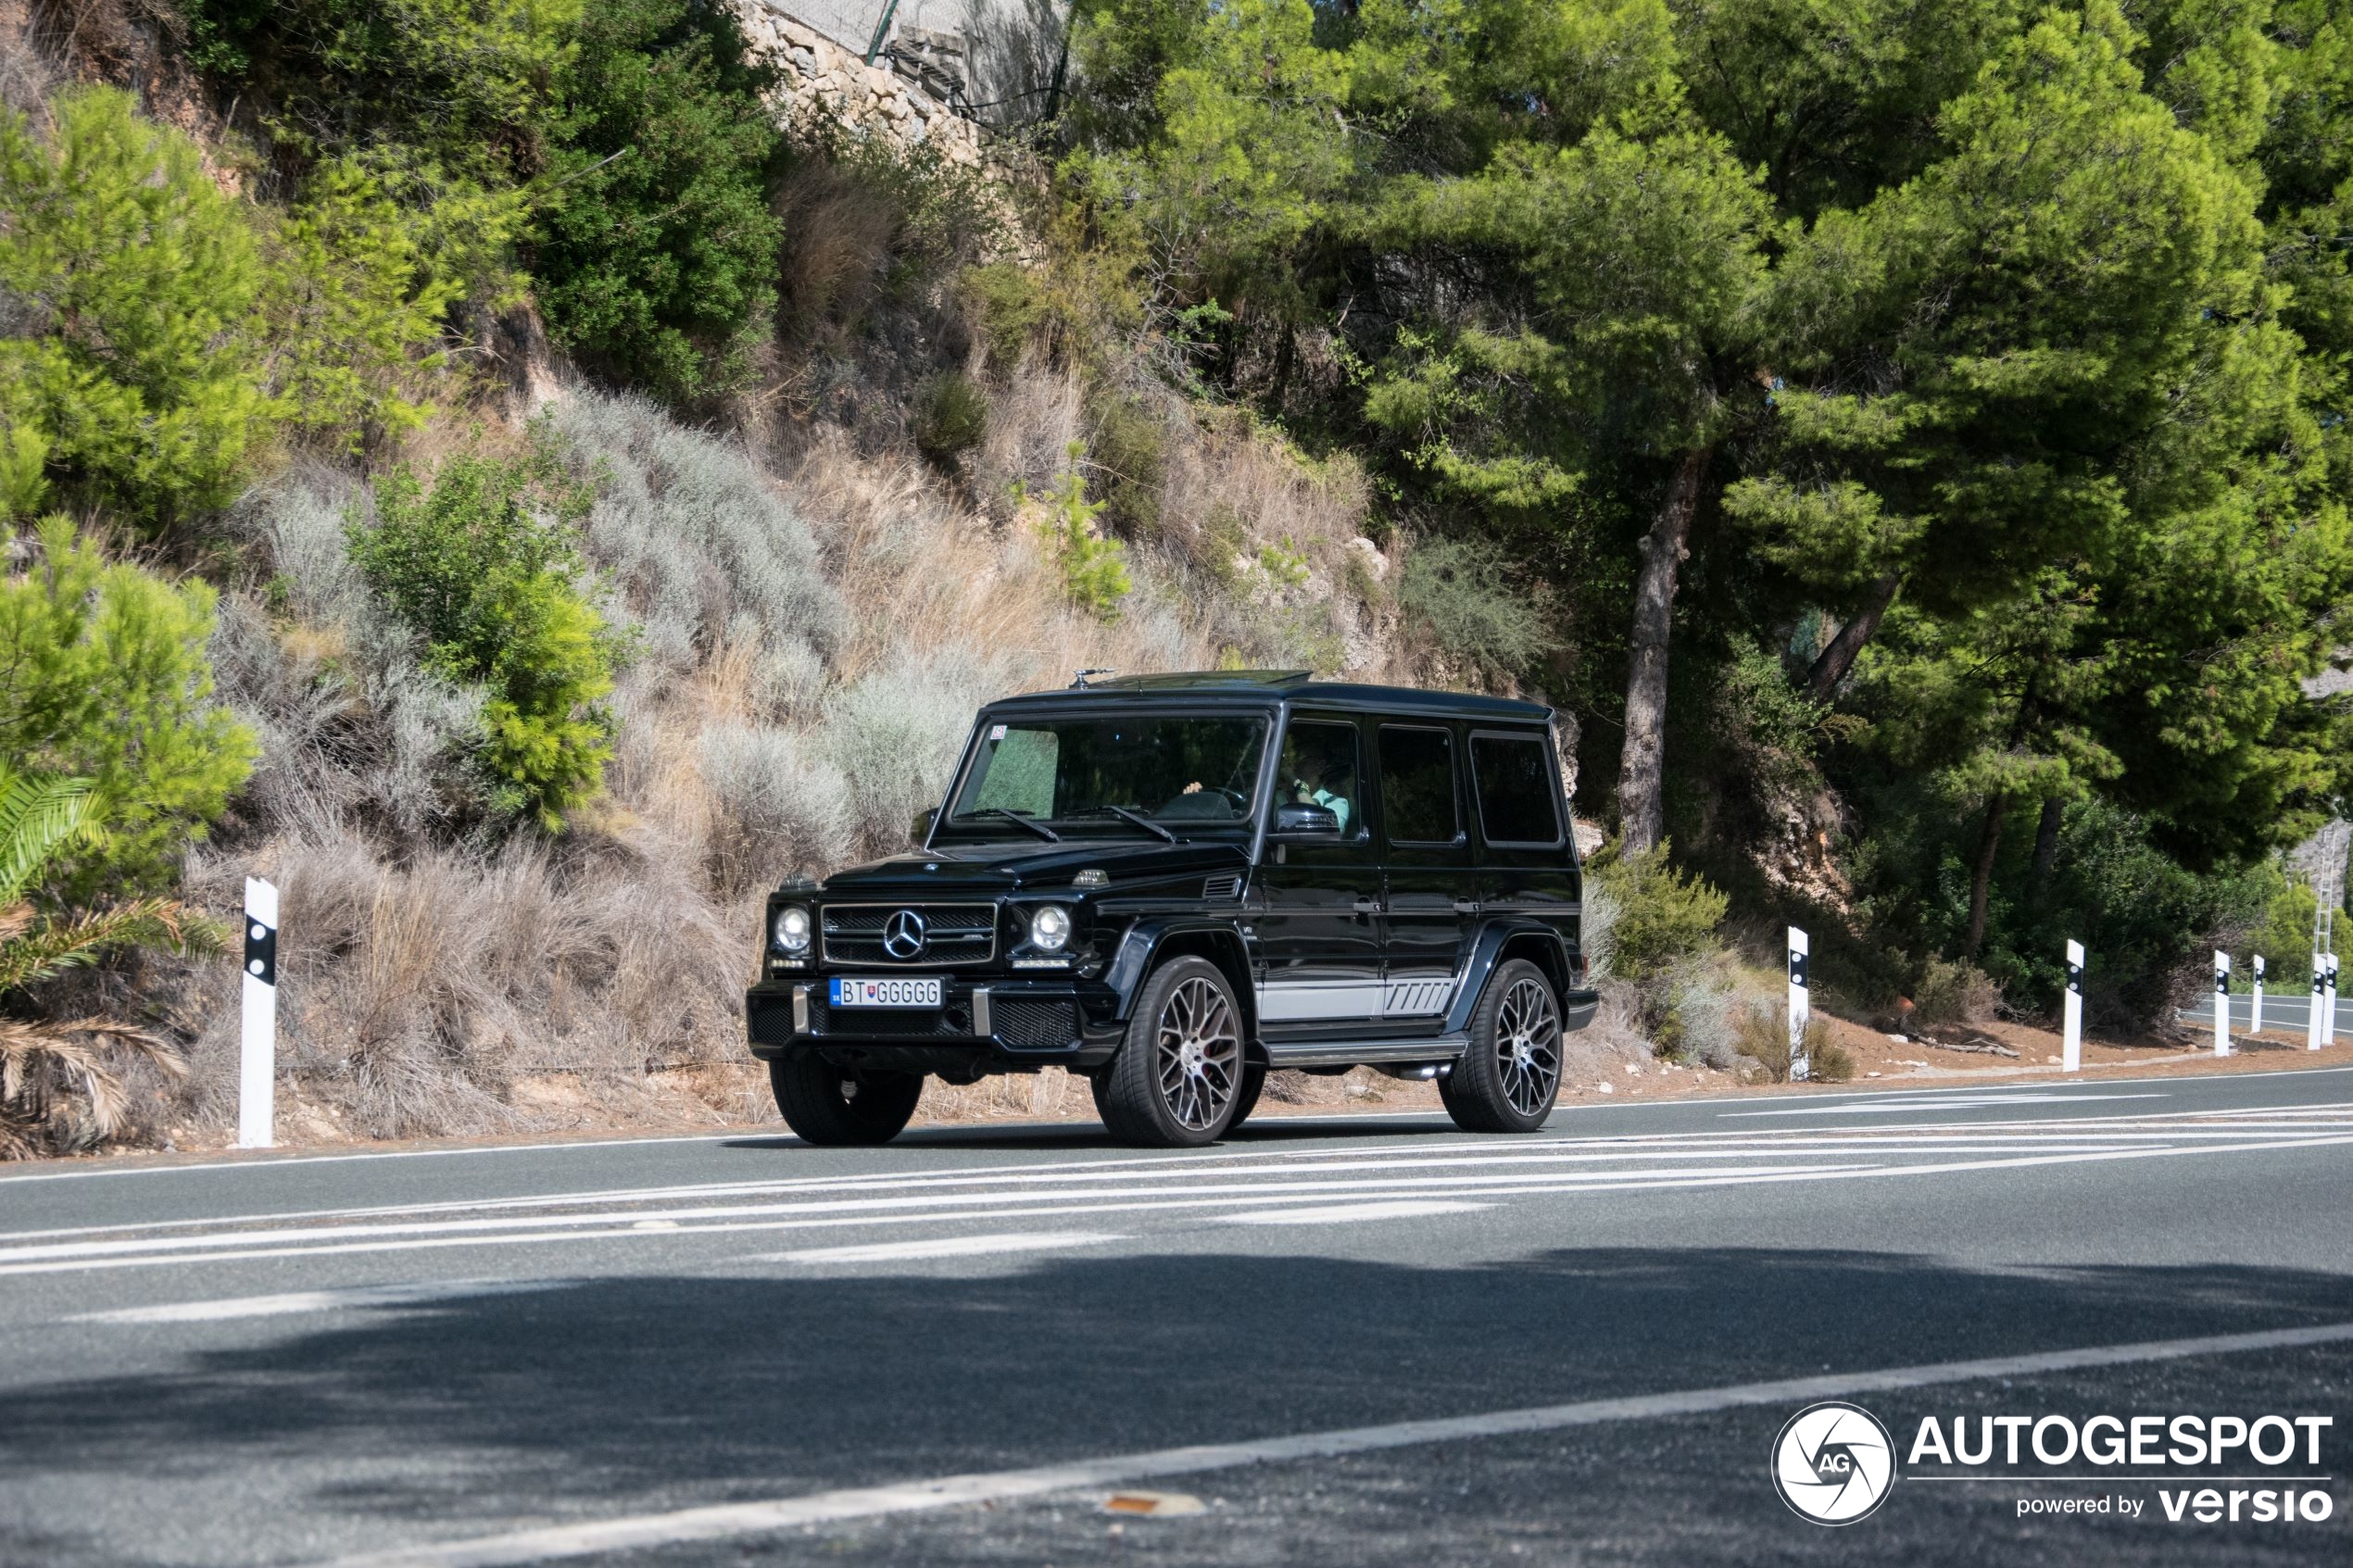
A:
x: 920, y: 829
x: 1297, y: 819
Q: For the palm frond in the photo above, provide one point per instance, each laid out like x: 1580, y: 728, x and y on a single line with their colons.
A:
x: 55, y: 947
x: 48, y: 1070
x: 39, y: 815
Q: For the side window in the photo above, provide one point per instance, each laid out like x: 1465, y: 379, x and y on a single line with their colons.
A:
x: 1319, y: 769
x: 1417, y: 785
x: 1516, y: 791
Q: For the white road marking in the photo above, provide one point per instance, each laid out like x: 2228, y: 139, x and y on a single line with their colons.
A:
x: 1941, y: 1102
x: 648, y: 1531
x: 1240, y: 1187
x: 1344, y: 1213
x: 945, y: 1247
x: 423, y: 1294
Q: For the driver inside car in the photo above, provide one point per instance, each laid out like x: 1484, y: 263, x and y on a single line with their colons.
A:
x: 1309, y: 786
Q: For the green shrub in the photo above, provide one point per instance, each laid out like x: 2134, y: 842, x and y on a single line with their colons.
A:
x: 354, y: 307
x: 138, y: 280
x: 1129, y: 449
x: 1464, y: 591
x: 483, y: 566
x: 1094, y: 569
x: 464, y: 82
x: 1658, y: 915
x: 951, y: 417
x: 104, y: 677
x: 2283, y: 936
x: 1762, y: 1035
x: 656, y: 253
x: 1954, y: 993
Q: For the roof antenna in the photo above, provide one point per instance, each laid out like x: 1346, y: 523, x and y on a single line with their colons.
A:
x: 1079, y: 685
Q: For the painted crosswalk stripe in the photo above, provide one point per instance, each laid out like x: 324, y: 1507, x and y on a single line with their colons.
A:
x: 1346, y: 1213
x: 358, y: 1298
x: 946, y: 1247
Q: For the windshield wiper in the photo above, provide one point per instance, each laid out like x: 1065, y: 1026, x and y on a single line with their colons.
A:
x: 1009, y: 814
x: 1123, y: 812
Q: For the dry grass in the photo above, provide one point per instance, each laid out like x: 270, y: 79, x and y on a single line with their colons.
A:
x: 444, y: 982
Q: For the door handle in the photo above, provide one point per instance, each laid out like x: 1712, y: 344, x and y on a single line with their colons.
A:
x: 1466, y: 906
x: 1368, y: 906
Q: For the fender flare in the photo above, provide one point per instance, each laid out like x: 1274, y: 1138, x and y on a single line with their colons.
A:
x: 1577, y: 1006
x: 1140, y: 946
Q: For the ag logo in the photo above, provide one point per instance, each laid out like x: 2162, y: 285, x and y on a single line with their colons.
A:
x: 1833, y: 1462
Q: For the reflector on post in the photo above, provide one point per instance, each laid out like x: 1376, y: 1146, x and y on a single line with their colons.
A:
x: 1799, y: 1011
x: 2071, y: 1042
x: 257, y: 1054
x: 2221, y: 1003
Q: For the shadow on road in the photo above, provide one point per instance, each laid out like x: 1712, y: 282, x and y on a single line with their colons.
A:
x: 625, y: 1393
x: 1090, y: 1134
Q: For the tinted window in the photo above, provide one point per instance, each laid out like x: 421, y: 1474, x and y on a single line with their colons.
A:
x: 1515, y: 790
x: 1417, y: 785
x: 1319, y: 769
x: 1177, y: 768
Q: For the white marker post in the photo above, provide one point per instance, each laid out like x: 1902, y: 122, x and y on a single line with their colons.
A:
x: 2254, y: 1020
x: 258, y: 1065
x: 2328, y: 1011
x: 1798, y: 1010
x: 2071, y: 1041
x: 2221, y: 1003
x: 2320, y: 990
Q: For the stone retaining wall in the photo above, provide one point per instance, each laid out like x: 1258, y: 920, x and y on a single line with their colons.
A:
x: 822, y: 78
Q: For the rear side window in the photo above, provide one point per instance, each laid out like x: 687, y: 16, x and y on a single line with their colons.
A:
x: 1417, y: 785
x: 1515, y: 794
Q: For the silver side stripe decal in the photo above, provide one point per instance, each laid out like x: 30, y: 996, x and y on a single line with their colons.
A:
x: 1294, y: 1001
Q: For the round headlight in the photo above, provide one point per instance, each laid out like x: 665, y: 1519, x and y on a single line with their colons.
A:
x: 1049, y: 929
x: 791, y: 929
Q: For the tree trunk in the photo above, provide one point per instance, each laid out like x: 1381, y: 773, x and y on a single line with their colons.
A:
x: 1831, y: 666
x: 2046, y: 833
x: 1982, y: 880
x: 1641, y: 771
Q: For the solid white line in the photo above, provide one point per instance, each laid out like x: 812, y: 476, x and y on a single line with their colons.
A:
x: 646, y: 1531
x: 1344, y: 1213
x: 356, y: 1298
x: 944, y: 1246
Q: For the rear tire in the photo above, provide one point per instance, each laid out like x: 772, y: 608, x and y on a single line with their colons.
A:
x: 839, y: 1107
x: 1508, y: 1079
x: 1177, y: 1078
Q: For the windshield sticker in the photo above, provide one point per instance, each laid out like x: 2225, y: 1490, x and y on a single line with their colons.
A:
x: 996, y: 731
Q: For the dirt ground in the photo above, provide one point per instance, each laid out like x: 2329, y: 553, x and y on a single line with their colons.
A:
x: 735, y: 1099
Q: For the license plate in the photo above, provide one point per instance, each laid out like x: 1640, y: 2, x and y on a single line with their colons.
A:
x: 849, y: 993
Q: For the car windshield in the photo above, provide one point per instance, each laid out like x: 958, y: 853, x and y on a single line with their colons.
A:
x: 1160, y: 775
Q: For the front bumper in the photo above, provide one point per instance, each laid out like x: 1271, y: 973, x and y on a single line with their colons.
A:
x: 984, y: 1024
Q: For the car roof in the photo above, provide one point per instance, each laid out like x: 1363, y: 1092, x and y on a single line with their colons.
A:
x: 1258, y: 687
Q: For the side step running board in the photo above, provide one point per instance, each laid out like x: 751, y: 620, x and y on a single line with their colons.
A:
x: 1340, y: 1053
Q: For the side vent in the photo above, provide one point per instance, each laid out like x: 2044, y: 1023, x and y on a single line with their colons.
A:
x: 1226, y: 886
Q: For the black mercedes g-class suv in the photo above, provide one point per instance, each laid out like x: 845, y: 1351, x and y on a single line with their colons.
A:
x: 1173, y: 884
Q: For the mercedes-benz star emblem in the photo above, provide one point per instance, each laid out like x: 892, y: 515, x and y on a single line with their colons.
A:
x: 904, y: 935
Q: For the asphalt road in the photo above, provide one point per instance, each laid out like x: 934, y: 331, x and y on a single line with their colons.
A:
x: 1358, y: 1342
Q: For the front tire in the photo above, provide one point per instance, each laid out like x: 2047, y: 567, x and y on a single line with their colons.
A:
x: 839, y: 1107
x: 1508, y: 1079
x: 1176, y: 1081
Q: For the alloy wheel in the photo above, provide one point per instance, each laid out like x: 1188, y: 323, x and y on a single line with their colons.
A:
x: 1527, y: 1032
x: 1199, y: 1053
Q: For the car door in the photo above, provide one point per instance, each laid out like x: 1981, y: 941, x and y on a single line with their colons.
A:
x: 1318, y: 927
x: 1429, y: 884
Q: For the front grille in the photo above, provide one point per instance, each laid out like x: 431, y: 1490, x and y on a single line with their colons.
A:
x: 954, y: 933
x: 1034, y: 1026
